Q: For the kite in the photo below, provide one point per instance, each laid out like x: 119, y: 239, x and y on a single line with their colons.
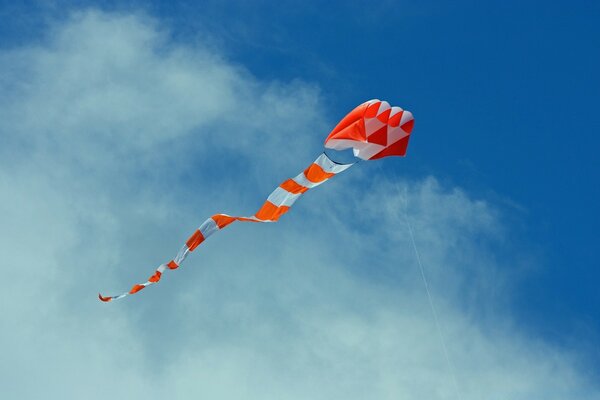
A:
x: 372, y: 130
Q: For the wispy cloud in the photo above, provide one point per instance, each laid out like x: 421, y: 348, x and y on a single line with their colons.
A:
x: 116, y: 142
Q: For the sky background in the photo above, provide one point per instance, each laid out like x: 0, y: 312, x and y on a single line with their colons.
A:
x: 123, y: 125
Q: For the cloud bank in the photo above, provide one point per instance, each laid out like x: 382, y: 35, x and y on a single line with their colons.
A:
x: 117, y: 141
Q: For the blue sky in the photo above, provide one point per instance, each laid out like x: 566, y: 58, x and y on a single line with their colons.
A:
x: 503, y: 160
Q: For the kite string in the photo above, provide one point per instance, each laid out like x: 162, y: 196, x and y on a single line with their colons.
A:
x: 449, y: 363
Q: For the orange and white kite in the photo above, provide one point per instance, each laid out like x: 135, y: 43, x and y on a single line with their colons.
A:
x: 372, y: 130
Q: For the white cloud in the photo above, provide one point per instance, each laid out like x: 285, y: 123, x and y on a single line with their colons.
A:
x: 118, y: 141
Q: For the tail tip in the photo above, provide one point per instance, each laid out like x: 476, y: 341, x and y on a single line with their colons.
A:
x: 104, y: 299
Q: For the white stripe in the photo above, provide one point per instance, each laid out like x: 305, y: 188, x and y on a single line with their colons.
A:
x: 183, y: 252
x: 329, y: 166
x: 281, y: 197
x: 208, y: 227
x: 340, y: 144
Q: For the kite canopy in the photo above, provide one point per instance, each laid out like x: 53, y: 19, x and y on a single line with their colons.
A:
x: 373, y: 130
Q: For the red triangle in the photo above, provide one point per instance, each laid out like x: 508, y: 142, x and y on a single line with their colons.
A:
x: 395, y: 120
x: 396, y: 149
x: 384, y: 116
x: 408, y: 127
x: 379, y: 136
x: 372, y: 110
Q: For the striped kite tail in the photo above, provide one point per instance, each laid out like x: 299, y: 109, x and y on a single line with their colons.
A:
x: 277, y: 204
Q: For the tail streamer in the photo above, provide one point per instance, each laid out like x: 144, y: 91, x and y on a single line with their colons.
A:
x: 277, y: 204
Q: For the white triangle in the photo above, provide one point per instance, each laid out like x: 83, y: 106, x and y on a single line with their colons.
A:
x: 407, y: 116
x: 395, y: 134
x: 383, y: 107
x: 372, y: 125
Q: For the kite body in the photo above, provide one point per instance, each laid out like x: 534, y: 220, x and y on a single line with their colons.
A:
x: 372, y: 130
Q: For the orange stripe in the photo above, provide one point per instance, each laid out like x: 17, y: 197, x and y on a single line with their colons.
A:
x: 266, y: 211
x: 136, y: 288
x: 222, y: 220
x: 156, y: 277
x: 316, y: 174
x: 104, y: 299
x: 195, y: 240
x: 172, y: 265
x: 280, y: 211
x: 293, y: 187
x: 270, y: 211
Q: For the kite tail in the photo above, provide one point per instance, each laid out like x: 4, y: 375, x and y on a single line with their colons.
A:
x: 277, y: 204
